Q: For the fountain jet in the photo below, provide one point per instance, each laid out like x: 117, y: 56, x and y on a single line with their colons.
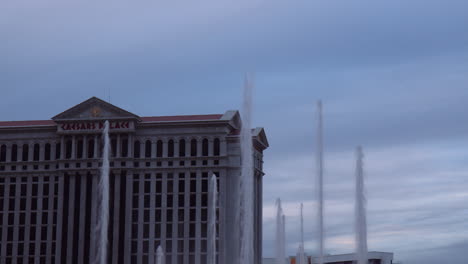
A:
x: 212, y: 203
x: 301, y: 254
x: 160, y: 256
x: 360, y: 211
x: 319, y: 155
x: 247, y: 178
x: 103, y: 201
x: 280, y: 234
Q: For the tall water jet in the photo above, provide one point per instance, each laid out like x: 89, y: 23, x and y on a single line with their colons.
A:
x: 103, y: 201
x: 319, y: 155
x: 360, y: 210
x: 247, y: 180
x: 301, y: 253
x: 212, y: 203
x: 160, y: 256
x: 280, y: 234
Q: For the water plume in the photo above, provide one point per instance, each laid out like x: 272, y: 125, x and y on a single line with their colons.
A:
x: 247, y: 178
x: 360, y: 210
x: 103, y: 201
x: 280, y: 234
x: 319, y: 154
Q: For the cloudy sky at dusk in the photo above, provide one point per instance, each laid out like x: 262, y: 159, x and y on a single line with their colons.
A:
x: 393, y: 76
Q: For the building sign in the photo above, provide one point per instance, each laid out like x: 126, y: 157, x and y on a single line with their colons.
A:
x: 83, y: 127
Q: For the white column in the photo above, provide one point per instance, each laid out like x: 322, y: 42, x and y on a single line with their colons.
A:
x: 115, y: 218
x: 176, y: 147
x: 96, y: 147
x: 62, y: 147
x: 82, y: 214
x: 140, y: 219
x: 165, y: 147
x: 50, y: 220
x: 198, y: 220
x: 6, y: 203
x: 31, y: 151
x: 58, y: 245
x: 152, y: 218
x: 53, y: 146
x: 153, y: 149
x: 16, y: 218
x: 118, y: 148
x: 27, y: 228
x: 37, y: 242
x: 130, y: 148
x: 222, y: 147
x: 199, y: 146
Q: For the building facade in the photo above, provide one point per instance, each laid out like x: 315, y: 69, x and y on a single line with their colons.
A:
x: 160, y: 166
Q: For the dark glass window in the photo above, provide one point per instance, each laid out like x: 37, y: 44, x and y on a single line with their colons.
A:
x: 216, y: 150
x: 57, y: 151
x: 193, y: 147
x: 25, y: 152
x: 170, y: 148
x: 136, y: 149
x: 68, y: 149
x: 3, y: 153
x: 148, y: 149
x: 90, y: 148
x: 205, y: 147
x: 79, y: 149
x: 124, y: 147
x: 159, y: 148
x: 113, y: 147
x: 182, y: 148
x: 47, y: 151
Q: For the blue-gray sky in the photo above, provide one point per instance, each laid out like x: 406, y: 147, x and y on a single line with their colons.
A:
x: 392, y: 74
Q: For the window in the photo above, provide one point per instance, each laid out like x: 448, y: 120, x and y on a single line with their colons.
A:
x: 136, y: 149
x: 159, y: 148
x: 47, y: 151
x: 3, y: 153
x: 205, y: 147
x: 68, y: 149
x: 147, y: 149
x: 170, y: 150
x: 193, y: 148
x: 124, y: 147
x: 216, y: 150
x: 182, y: 148
x: 14, y: 152
x: 57, y: 150
x: 79, y: 149
x: 25, y: 152
x: 36, y: 152
x: 113, y: 147
x: 90, y: 148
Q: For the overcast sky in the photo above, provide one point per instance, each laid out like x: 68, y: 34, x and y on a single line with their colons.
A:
x: 393, y: 76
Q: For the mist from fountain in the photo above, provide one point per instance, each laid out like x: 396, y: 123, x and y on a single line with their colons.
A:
x: 280, y: 244
x: 247, y: 180
x: 103, y: 201
x: 301, y: 254
x: 319, y: 155
x: 360, y: 210
x: 160, y: 256
x: 212, y: 203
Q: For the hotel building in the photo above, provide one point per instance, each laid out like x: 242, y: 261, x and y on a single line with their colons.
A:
x: 160, y: 166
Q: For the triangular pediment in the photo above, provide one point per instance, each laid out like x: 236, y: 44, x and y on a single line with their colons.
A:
x: 95, y: 109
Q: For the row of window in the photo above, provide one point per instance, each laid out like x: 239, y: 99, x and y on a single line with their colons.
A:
x: 146, y: 152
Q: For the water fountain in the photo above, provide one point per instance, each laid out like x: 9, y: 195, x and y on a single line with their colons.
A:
x: 103, y: 201
x: 246, y: 207
x: 280, y: 234
x: 212, y: 203
x: 160, y: 256
x: 320, y: 182
x: 301, y: 256
x: 360, y: 211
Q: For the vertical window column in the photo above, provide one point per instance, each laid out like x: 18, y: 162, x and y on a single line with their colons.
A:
x: 152, y: 211
x: 31, y: 151
x: 165, y: 147
x: 73, y: 150
x: 96, y: 147
x: 176, y: 148
x: 198, y: 218
x: 53, y: 145
x: 8, y: 154
x: 153, y: 149
x: 199, y: 147
x: 27, y: 228
x: 41, y: 151
x: 62, y: 147
x: 85, y: 147
x: 210, y: 147
x: 4, y: 226
x: 16, y: 220
x: 37, y: 242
